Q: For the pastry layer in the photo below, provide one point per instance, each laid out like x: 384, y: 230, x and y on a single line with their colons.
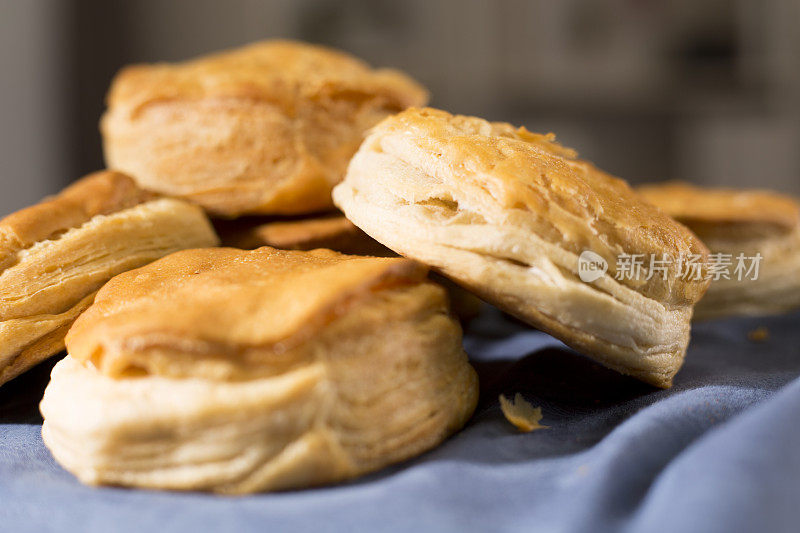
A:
x: 299, y: 385
x: 45, y: 286
x: 100, y: 193
x: 265, y: 129
x: 734, y: 209
x: 733, y: 222
x: 506, y: 213
x: 334, y: 232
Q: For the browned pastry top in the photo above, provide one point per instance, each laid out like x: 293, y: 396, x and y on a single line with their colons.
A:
x: 544, y: 186
x: 282, y: 72
x: 101, y: 193
x: 228, y: 304
x: 697, y: 205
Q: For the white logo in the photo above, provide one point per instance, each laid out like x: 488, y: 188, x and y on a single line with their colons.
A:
x: 591, y: 266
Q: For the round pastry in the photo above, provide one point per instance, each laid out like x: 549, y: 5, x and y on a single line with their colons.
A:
x: 512, y: 216
x: 235, y: 371
x: 264, y: 129
x: 55, y: 255
x: 754, y: 237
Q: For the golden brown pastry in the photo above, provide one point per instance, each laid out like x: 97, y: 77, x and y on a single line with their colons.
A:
x: 754, y: 237
x: 507, y: 214
x: 264, y: 129
x: 235, y: 371
x: 56, y: 254
x: 329, y: 231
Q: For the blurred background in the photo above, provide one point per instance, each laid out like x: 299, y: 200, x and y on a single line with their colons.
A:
x: 706, y: 91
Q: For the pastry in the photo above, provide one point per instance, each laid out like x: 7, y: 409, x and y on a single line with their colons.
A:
x: 55, y: 255
x: 264, y: 129
x: 510, y: 214
x: 241, y: 371
x: 336, y: 233
x: 754, y: 237
x: 329, y: 231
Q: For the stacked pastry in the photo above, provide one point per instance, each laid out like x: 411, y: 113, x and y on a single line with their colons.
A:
x: 755, y: 238
x: 256, y: 134
x: 221, y: 369
x: 237, y: 371
x: 54, y: 256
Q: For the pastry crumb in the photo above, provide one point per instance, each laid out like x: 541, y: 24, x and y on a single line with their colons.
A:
x: 522, y: 414
x: 759, y: 334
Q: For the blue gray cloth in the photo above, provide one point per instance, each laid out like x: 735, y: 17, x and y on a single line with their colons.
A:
x: 720, y: 451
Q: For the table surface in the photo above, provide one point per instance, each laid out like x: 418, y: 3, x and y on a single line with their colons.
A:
x: 720, y: 451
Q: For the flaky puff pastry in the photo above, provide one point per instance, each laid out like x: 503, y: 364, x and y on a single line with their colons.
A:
x: 55, y: 255
x: 740, y: 223
x: 507, y: 213
x: 264, y: 129
x: 235, y: 371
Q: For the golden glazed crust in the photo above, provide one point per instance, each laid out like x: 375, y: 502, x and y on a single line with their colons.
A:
x: 231, y: 309
x: 733, y: 222
x: 100, y: 193
x: 264, y: 129
x: 506, y: 213
x: 273, y: 370
x: 711, y: 212
x: 55, y: 255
